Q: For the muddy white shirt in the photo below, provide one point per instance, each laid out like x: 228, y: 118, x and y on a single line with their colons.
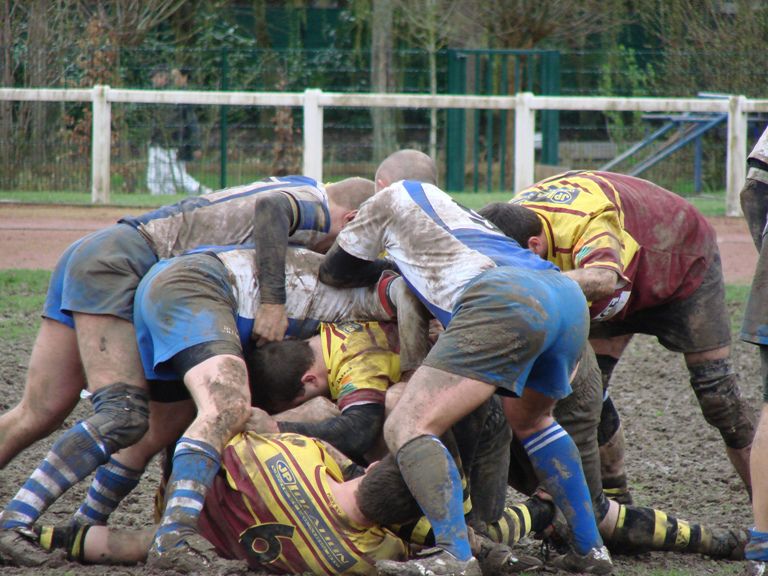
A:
x: 308, y: 301
x: 225, y: 217
x: 438, y: 245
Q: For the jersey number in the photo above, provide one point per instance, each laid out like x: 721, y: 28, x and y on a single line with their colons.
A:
x: 262, y: 541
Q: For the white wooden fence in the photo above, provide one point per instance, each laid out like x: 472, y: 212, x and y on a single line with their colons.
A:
x: 314, y: 101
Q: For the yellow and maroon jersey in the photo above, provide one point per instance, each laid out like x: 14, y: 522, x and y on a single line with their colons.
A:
x: 657, y: 242
x: 272, y: 507
x: 363, y: 360
x: 583, y: 221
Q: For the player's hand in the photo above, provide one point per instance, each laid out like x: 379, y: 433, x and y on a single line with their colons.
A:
x: 318, y: 409
x: 270, y: 323
x: 261, y: 422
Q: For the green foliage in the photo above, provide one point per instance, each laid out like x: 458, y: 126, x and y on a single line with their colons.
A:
x: 622, y: 75
x: 23, y: 294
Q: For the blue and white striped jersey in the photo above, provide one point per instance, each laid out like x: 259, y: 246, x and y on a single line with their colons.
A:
x: 439, y: 245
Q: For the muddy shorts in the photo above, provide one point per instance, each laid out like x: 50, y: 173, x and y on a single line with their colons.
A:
x: 755, y: 326
x: 515, y: 328
x: 182, y: 304
x: 695, y: 324
x: 98, y: 274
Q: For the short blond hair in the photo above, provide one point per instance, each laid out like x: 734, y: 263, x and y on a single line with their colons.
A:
x: 350, y: 192
x: 407, y: 164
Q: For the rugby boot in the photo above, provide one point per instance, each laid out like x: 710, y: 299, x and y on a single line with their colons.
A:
x: 192, y: 556
x: 499, y: 559
x: 596, y: 561
x: 726, y: 543
x: 754, y: 568
x: 19, y: 547
x: 430, y: 562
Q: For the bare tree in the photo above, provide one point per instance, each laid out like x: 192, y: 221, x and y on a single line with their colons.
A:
x: 527, y: 23
x: 384, y: 139
x: 431, y: 25
x: 709, y: 44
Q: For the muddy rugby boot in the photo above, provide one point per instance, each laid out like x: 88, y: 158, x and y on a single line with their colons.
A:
x: 596, y: 561
x: 500, y: 560
x: 430, y: 562
x: 195, y: 555
x: 19, y: 547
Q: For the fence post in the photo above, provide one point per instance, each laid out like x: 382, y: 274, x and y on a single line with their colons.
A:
x: 313, y: 134
x: 525, y: 126
x: 101, y: 139
x: 736, y: 155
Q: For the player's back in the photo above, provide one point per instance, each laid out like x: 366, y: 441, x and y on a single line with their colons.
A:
x: 658, y: 218
x: 226, y: 216
x: 439, y: 246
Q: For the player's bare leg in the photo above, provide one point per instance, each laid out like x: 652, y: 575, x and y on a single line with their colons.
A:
x: 52, y: 389
x: 118, y: 477
x: 219, y: 387
x: 110, y: 358
x: 431, y: 402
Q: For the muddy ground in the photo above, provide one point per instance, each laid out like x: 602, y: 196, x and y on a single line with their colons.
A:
x: 675, y: 461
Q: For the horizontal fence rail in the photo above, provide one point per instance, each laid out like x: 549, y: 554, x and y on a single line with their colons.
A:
x: 313, y: 101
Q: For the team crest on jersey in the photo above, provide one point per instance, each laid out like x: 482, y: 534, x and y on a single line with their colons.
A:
x: 282, y: 471
x: 349, y: 327
x: 554, y: 195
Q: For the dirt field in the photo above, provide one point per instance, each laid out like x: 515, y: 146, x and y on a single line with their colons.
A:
x: 675, y: 461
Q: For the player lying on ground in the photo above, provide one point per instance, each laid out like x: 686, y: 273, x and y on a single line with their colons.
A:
x: 284, y: 503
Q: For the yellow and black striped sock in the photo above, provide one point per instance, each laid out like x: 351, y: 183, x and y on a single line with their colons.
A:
x: 520, y: 520
x: 69, y: 538
x: 644, y: 529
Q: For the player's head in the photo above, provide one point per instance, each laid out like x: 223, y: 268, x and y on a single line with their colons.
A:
x: 383, y: 496
x: 406, y: 165
x: 519, y: 223
x: 286, y: 374
x: 344, y: 198
x: 160, y: 75
x: 180, y: 76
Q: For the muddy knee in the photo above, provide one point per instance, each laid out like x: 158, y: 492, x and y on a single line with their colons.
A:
x: 717, y: 390
x: 121, y: 415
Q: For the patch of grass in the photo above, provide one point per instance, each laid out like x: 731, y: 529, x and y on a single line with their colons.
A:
x: 736, y: 300
x: 21, y: 301
x: 84, y: 198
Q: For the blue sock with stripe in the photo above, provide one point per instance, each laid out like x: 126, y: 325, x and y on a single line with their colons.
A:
x: 76, y: 454
x: 112, y: 483
x: 757, y: 547
x: 433, y: 478
x: 195, y: 464
x: 558, y: 466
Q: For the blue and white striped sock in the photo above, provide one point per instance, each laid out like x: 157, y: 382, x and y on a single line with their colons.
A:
x: 112, y: 483
x: 558, y: 465
x: 195, y: 465
x: 439, y: 491
x: 75, y: 455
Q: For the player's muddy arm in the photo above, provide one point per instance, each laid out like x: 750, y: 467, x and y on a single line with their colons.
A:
x: 596, y: 283
x: 273, y: 222
x: 354, y: 432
